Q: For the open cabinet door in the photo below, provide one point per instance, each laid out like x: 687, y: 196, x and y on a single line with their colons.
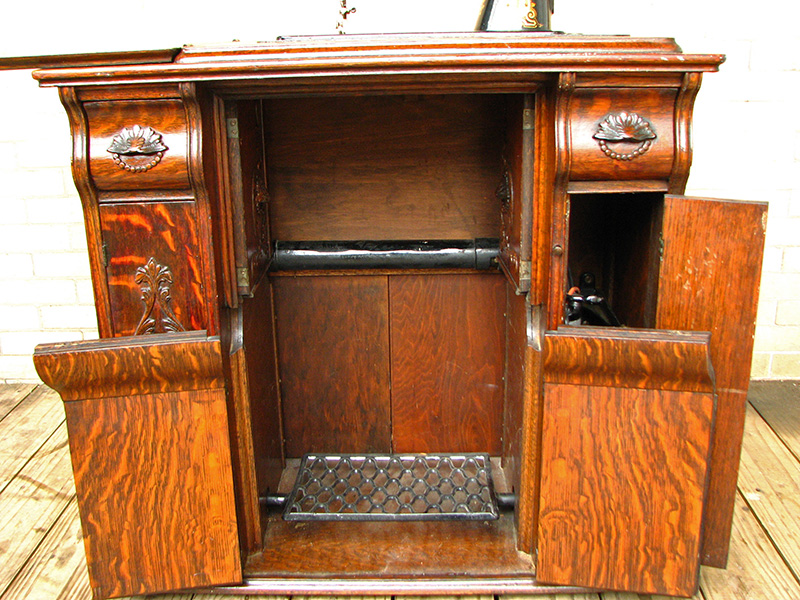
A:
x: 626, y: 433
x: 148, y: 431
x: 708, y: 281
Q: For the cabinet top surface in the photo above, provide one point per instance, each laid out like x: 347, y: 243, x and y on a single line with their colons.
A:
x: 476, y: 54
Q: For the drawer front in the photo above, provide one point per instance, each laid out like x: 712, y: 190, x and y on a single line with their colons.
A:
x: 622, y: 133
x: 138, y: 145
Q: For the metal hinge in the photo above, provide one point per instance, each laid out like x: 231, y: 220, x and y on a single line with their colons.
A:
x: 660, y: 249
x: 104, y: 252
x: 528, y: 119
x: 233, y: 129
x: 243, y: 277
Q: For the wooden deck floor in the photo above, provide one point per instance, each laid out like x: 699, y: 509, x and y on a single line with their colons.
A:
x: 41, y: 552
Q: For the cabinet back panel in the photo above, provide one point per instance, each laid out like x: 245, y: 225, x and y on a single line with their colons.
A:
x: 333, y: 349
x: 387, y: 167
x: 448, y: 345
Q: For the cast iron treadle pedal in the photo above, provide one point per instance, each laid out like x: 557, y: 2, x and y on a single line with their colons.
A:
x: 392, y: 487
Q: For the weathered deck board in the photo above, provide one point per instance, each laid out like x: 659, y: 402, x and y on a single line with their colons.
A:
x: 31, y: 504
x: 770, y: 400
x: 26, y: 428
x: 755, y: 570
x: 52, y: 566
x: 12, y: 394
x: 769, y: 479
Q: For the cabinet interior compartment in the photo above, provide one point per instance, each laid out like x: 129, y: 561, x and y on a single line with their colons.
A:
x: 617, y: 237
x: 385, y: 360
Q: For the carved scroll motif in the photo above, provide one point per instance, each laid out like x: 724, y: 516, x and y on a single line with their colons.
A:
x: 155, y: 281
x: 137, y: 149
x: 627, y: 128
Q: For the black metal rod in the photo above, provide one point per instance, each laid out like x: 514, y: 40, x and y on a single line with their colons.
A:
x: 278, y: 500
x: 506, y: 500
x: 392, y: 254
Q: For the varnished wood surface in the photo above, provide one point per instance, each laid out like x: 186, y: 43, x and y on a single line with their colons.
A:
x: 333, y: 356
x: 385, y: 167
x: 644, y: 359
x: 382, y: 58
x: 447, y: 348
x: 705, y: 243
x: 166, y: 117
x: 52, y: 567
x: 631, y: 494
x: 88, y: 59
x: 156, y: 502
x: 390, y: 550
x: 131, y: 365
x: 588, y: 109
x: 167, y: 232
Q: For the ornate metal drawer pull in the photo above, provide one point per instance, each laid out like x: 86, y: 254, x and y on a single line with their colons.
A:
x: 625, y: 127
x: 131, y: 147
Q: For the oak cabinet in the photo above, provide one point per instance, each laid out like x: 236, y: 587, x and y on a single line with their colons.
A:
x: 367, y: 244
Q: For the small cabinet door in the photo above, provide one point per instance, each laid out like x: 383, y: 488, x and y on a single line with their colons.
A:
x: 148, y: 431
x: 626, y: 432
x: 708, y: 281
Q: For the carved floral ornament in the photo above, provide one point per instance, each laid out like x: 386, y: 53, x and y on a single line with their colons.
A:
x: 154, y: 281
x: 137, y: 149
x: 625, y: 127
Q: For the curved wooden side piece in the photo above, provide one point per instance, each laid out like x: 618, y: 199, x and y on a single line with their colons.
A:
x: 126, y: 366
x: 643, y: 359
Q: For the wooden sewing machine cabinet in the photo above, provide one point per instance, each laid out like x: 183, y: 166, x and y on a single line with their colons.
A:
x: 219, y: 366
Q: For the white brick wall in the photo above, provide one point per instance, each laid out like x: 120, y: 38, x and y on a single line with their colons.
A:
x: 746, y: 134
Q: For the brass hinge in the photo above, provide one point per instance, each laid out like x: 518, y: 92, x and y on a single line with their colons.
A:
x: 525, y: 269
x: 243, y: 277
x: 233, y: 129
x: 528, y: 119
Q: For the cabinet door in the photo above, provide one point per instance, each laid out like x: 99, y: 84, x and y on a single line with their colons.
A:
x: 708, y: 281
x: 148, y: 432
x: 626, y: 432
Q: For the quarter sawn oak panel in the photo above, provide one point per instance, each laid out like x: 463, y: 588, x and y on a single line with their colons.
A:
x: 333, y: 352
x: 448, y: 342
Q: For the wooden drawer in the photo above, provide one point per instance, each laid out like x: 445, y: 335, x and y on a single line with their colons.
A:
x: 598, y: 115
x: 138, y: 144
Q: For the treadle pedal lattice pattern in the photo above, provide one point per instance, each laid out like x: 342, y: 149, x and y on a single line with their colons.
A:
x: 392, y: 487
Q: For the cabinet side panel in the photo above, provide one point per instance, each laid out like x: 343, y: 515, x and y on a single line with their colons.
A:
x: 448, y: 340
x: 623, y: 484
x: 710, y: 273
x: 333, y: 354
x: 153, y: 478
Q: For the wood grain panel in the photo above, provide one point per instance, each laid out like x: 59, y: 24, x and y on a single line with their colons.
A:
x: 646, y: 359
x: 448, y: 341
x: 385, y: 167
x: 154, y: 482
x: 167, y: 117
x: 713, y: 249
x: 333, y: 349
x: 623, y: 488
x: 168, y: 233
x: 589, y: 107
x: 387, y: 551
x: 132, y: 365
